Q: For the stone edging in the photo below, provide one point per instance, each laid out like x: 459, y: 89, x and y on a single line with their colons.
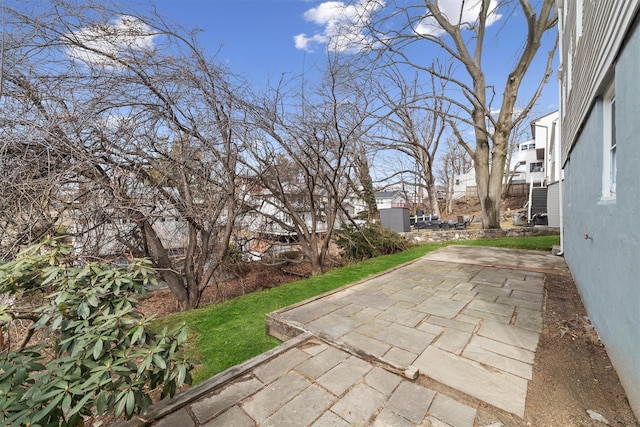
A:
x: 167, y: 406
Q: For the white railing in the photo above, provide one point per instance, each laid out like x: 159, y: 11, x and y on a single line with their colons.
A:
x: 422, y: 217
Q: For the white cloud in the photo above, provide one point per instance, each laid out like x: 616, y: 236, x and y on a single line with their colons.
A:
x: 303, y: 42
x: 125, y: 35
x: 344, y: 26
x: 458, y: 12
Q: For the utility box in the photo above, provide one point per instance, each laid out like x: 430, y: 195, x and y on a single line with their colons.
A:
x: 395, y: 219
x: 519, y: 218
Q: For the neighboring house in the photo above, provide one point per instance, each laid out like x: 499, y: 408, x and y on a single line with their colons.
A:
x: 353, y: 205
x: 99, y: 230
x: 391, y: 199
x: 534, y: 157
x: 529, y: 167
x: 268, y: 228
x: 600, y: 128
x: 464, y: 185
x: 537, y: 165
x: 269, y: 217
x: 534, y: 160
x: 553, y: 165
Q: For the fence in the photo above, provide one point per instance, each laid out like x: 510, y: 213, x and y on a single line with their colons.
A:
x: 518, y: 189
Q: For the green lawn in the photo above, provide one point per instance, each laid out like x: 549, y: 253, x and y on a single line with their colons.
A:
x: 229, y: 333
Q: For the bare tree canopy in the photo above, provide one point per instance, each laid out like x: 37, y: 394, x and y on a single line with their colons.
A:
x: 302, y: 159
x: 460, y: 30
x: 135, y: 131
x: 454, y: 163
x: 415, y: 124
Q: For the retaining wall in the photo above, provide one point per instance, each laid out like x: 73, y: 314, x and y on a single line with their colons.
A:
x: 475, y: 234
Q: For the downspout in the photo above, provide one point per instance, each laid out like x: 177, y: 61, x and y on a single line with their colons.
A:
x: 530, y: 201
x: 558, y: 152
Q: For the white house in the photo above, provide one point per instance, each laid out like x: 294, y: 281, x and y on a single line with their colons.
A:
x: 464, y: 185
x: 353, y: 205
x: 537, y: 164
x: 390, y: 199
x: 269, y: 217
x: 99, y: 230
x: 600, y: 129
x: 535, y: 157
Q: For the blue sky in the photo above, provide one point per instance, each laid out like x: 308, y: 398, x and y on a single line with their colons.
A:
x: 256, y: 38
x: 263, y: 39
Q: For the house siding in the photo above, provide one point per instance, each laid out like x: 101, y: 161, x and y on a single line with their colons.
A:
x: 601, y: 236
x: 585, y: 58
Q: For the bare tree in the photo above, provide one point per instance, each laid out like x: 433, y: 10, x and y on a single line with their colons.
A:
x: 363, y: 185
x: 356, y: 84
x: 31, y: 201
x: 454, y: 163
x: 151, y: 131
x: 416, y: 123
x: 459, y: 29
x: 302, y: 160
x: 33, y: 166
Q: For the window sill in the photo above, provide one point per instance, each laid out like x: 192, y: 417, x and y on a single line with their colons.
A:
x: 608, y: 200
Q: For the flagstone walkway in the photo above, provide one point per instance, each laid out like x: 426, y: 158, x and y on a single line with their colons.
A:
x: 465, y: 318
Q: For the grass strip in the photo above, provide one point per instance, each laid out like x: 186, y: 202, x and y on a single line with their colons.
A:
x: 226, y: 334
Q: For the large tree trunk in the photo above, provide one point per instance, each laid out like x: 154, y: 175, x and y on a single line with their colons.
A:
x: 486, y: 202
x: 489, y: 176
x: 486, y: 173
x: 492, y: 200
x: 433, y: 195
x: 162, y: 263
x: 367, y: 193
x: 489, y: 179
x: 316, y: 262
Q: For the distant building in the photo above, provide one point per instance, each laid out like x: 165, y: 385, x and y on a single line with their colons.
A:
x: 464, y: 185
x: 534, y: 157
x: 391, y: 199
x: 538, y: 165
x: 600, y: 128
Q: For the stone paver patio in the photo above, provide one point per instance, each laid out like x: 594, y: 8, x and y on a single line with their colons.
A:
x: 466, y: 318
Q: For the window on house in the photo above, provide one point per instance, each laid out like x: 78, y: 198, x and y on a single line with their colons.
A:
x: 609, y: 169
x: 457, y: 182
x: 532, y: 146
x: 536, y: 167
